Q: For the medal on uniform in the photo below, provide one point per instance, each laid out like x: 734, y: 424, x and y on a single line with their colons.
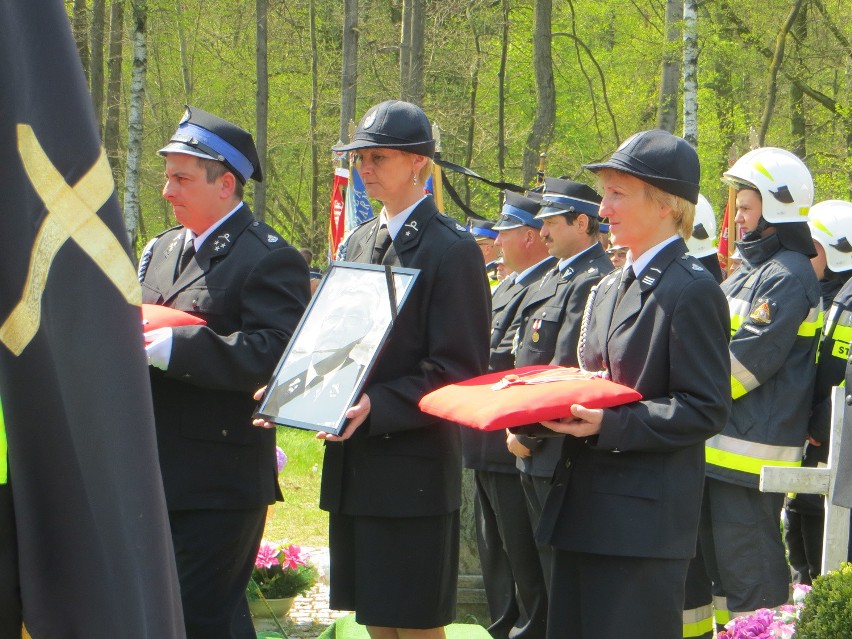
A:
x: 536, y: 325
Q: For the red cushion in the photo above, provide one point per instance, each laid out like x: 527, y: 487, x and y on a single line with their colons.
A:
x: 523, y: 396
x: 156, y: 316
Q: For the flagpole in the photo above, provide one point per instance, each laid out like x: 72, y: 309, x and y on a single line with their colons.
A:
x: 437, y: 185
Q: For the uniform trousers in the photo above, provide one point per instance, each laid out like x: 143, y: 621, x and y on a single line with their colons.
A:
x: 803, y: 533
x: 10, y: 592
x: 608, y: 597
x: 514, y: 582
x: 536, y: 490
x: 740, y: 539
x: 215, y: 551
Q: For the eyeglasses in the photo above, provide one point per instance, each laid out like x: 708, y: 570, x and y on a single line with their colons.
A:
x: 618, y: 252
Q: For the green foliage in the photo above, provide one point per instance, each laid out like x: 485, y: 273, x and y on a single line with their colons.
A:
x: 828, y: 607
x: 273, y: 583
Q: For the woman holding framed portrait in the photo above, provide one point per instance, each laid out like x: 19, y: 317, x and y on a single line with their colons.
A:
x: 392, y: 478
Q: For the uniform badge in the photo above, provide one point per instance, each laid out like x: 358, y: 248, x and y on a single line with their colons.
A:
x: 535, y: 336
x: 697, y: 267
x: 762, y: 314
x: 370, y: 119
x: 272, y: 239
x: 186, y: 116
x: 459, y: 227
x: 221, y: 242
x: 568, y: 272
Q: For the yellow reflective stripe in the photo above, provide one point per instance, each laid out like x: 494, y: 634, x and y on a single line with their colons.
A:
x: 742, y: 379
x: 840, y: 349
x: 722, y: 614
x: 698, y: 622
x: 4, y: 466
x: 741, y: 463
x: 843, y: 333
x: 812, y: 324
x: 736, y: 322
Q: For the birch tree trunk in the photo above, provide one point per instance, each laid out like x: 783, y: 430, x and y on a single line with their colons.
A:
x: 545, y: 117
x: 670, y: 80
x: 349, y: 72
x: 261, y: 108
x: 113, y: 95
x: 96, y: 63
x: 690, y: 72
x: 135, y: 118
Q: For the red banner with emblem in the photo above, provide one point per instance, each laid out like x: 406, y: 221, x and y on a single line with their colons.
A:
x: 337, y: 219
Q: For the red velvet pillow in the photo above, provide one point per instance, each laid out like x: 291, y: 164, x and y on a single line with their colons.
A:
x: 523, y: 396
x: 156, y: 316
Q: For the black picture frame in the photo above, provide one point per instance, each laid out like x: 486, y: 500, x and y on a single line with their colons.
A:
x: 335, y: 346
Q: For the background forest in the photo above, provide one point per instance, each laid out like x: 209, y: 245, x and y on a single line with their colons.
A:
x: 505, y: 80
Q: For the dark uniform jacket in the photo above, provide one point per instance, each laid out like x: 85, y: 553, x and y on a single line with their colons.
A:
x: 487, y: 451
x: 550, y: 318
x: 635, y: 489
x: 402, y: 462
x: 251, y: 287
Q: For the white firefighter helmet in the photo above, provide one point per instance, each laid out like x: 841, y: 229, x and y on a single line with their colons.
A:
x: 782, y: 179
x: 831, y: 226
x: 703, y: 240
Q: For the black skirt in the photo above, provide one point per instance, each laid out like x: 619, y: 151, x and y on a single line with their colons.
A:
x: 395, y: 572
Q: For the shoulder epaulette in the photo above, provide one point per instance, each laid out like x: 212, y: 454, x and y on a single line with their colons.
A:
x: 266, y: 234
x: 692, y: 266
x: 452, y: 224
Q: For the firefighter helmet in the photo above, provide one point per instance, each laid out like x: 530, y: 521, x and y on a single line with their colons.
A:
x: 703, y: 240
x: 831, y: 226
x: 782, y: 179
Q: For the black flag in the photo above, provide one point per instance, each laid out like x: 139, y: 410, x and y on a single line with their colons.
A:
x: 82, y: 511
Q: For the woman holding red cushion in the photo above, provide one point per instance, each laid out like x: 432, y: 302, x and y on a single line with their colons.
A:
x: 623, y: 512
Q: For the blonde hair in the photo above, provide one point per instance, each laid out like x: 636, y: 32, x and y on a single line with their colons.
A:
x: 683, y: 211
x: 426, y: 171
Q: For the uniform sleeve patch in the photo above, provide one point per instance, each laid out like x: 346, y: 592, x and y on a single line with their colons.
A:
x: 763, y: 311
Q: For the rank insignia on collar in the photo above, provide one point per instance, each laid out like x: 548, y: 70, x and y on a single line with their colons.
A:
x: 173, y: 244
x: 272, y: 238
x: 762, y: 314
x: 648, y: 280
x: 568, y: 272
x: 221, y: 242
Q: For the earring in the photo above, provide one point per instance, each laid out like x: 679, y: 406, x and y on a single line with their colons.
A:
x: 415, y: 179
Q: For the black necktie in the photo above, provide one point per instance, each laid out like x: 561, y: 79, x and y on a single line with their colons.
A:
x: 383, y: 242
x: 626, y: 280
x: 186, y: 256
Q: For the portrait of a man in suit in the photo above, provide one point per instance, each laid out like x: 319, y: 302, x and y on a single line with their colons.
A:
x: 317, y: 381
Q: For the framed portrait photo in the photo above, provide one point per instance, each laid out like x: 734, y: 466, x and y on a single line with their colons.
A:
x: 335, y: 345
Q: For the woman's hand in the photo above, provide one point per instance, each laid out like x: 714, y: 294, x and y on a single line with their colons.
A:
x: 583, y: 422
x: 356, y: 416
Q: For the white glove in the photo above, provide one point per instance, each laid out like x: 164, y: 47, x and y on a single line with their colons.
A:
x: 159, y: 347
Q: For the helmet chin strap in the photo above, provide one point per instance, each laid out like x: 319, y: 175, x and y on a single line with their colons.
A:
x: 756, y: 234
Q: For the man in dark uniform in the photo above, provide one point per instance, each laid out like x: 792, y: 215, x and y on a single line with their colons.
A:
x: 549, y: 319
x: 251, y: 287
x: 514, y: 583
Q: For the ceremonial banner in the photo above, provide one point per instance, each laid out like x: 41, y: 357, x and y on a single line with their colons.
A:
x: 337, y: 214
x: 83, y: 511
x: 358, y: 207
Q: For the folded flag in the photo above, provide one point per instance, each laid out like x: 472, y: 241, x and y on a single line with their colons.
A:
x: 524, y: 396
x: 156, y: 316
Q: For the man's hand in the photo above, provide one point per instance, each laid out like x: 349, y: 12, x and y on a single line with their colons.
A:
x: 356, y: 416
x: 515, y: 446
x: 583, y: 422
x: 159, y: 347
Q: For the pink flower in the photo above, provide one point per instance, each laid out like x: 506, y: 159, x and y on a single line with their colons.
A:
x: 281, y: 458
x: 291, y: 557
x: 267, y: 555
